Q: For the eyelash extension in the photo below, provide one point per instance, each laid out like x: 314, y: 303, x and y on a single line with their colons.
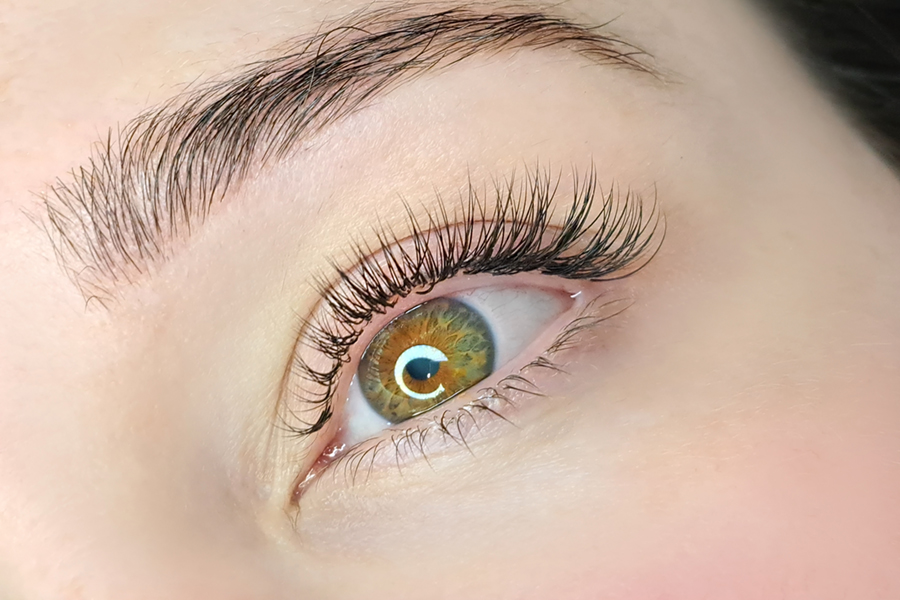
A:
x: 515, y: 233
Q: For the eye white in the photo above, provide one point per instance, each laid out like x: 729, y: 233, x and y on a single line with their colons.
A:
x: 516, y: 316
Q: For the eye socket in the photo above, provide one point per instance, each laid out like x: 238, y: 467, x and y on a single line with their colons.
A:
x: 442, y: 348
x: 519, y: 233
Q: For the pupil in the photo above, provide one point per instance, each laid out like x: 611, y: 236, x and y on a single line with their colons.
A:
x: 422, y: 369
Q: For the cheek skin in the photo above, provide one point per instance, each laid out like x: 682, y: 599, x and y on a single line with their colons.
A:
x: 734, y: 432
x: 768, y: 495
x: 761, y: 505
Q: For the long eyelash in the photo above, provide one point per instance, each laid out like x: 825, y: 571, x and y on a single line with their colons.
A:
x: 514, y: 233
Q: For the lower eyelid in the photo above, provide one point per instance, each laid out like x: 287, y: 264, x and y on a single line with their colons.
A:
x: 417, y: 440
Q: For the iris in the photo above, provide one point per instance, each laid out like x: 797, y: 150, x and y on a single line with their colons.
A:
x: 424, y: 357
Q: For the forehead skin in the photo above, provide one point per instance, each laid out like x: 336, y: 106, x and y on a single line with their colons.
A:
x: 736, y: 435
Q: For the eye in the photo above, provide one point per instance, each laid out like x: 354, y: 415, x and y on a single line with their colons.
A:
x: 441, y: 349
x: 373, y: 367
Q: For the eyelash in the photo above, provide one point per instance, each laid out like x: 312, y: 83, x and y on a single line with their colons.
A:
x: 513, y: 234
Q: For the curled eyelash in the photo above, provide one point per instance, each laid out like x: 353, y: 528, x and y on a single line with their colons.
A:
x: 600, y: 237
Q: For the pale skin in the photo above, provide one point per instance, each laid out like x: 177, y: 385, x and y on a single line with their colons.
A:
x: 734, y: 434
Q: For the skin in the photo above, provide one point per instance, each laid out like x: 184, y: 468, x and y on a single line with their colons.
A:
x: 734, y: 434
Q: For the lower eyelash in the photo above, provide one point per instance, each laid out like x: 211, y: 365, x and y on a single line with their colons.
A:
x: 454, y: 426
x: 515, y: 234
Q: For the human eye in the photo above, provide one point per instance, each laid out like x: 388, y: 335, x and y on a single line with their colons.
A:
x: 442, y: 348
x: 428, y: 336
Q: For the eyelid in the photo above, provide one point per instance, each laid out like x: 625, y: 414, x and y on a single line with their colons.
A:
x: 460, y: 286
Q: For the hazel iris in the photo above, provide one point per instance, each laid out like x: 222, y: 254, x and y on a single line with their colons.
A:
x: 424, y: 357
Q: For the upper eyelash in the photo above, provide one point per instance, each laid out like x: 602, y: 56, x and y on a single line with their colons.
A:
x: 513, y: 234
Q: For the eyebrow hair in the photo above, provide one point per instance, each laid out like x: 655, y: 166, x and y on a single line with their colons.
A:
x: 159, y: 175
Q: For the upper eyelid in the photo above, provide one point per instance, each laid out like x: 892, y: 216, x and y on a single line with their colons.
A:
x: 161, y: 174
x: 616, y: 240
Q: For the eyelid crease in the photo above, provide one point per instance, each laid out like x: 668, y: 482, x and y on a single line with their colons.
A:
x: 513, y: 234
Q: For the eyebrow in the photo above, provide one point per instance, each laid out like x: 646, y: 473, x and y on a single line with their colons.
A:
x: 159, y: 175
